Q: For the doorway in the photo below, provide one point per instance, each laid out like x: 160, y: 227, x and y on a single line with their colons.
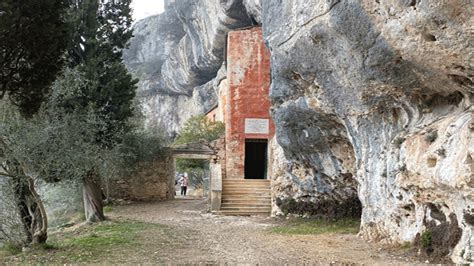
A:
x: 256, y: 158
x: 198, y: 177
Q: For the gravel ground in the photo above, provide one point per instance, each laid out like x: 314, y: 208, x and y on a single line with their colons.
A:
x: 208, y: 238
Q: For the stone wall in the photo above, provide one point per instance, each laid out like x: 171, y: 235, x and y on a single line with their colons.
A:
x: 155, y: 181
x: 63, y: 202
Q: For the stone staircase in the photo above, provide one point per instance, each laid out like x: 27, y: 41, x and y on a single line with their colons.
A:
x: 246, y: 197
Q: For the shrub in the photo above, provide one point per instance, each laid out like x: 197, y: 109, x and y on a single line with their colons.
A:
x: 431, y: 136
x: 426, y: 239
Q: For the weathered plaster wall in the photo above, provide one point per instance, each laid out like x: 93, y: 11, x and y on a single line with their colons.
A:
x: 248, y: 76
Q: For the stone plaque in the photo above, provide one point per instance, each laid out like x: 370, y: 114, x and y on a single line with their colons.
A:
x: 256, y: 126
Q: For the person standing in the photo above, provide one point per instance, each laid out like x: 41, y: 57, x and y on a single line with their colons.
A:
x: 183, y: 182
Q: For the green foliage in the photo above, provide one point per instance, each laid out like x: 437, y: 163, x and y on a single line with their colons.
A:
x: 108, y: 208
x: 101, y: 31
x: 199, y: 129
x: 11, y: 229
x: 137, y: 147
x: 319, y: 226
x: 59, y: 142
x: 431, y: 136
x: 77, y: 130
x: 406, y: 245
x: 11, y: 249
x: 106, y: 235
x: 426, y: 239
x: 398, y: 141
x: 183, y: 165
x: 197, y: 170
x: 34, y: 36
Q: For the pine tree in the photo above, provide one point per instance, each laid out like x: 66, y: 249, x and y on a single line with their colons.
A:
x: 102, y: 31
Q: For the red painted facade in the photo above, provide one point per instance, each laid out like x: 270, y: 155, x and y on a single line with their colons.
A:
x: 246, y: 97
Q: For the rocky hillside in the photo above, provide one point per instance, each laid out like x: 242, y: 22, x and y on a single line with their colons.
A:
x: 372, y: 101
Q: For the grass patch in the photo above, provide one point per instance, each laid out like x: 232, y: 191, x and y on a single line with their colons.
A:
x: 426, y: 239
x: 9, y: 249
x: 106, y: 241
x: 406, y: 245
x: 105, y: 235
x: 302, y: 226
x: 108, y: 208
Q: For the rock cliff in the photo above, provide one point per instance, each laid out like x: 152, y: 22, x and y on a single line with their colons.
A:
x: 177, y: 56
x: 372, y: 102
x: 381, y: 90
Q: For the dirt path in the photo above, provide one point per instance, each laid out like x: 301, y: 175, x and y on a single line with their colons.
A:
x: 208, y: 238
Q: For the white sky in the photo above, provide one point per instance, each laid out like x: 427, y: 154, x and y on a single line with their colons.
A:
x: 146, y: 8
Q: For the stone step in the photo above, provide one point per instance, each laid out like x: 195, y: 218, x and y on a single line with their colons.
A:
x: 247, y: 209
x: 245, y: 204
x: 246, y: 197
x: 246, y: 183
x: 245, y: 187
x: 244, y: 213
x: 244, y: 200
x: 255, y: 204
x: 247, y: 190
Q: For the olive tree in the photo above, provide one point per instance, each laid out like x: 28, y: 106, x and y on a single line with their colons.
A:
x: 34, y: 36
x: 58, y: 143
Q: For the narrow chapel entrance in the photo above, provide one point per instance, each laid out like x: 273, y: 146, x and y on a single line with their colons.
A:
x: 256, y: 158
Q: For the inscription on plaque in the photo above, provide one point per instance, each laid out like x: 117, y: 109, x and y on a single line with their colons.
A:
x: 256, y: 126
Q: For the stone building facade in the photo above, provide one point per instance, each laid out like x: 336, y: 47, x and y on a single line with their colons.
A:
x: 244, y: 106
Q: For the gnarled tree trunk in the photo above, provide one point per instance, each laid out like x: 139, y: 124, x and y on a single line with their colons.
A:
x: 31, y: 209
x: 92, y: 194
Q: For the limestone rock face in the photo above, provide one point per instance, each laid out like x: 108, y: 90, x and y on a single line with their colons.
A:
x: 383, y: 91
x: 254, y: 9
x: 372, y: 102
x: 177, y: 56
